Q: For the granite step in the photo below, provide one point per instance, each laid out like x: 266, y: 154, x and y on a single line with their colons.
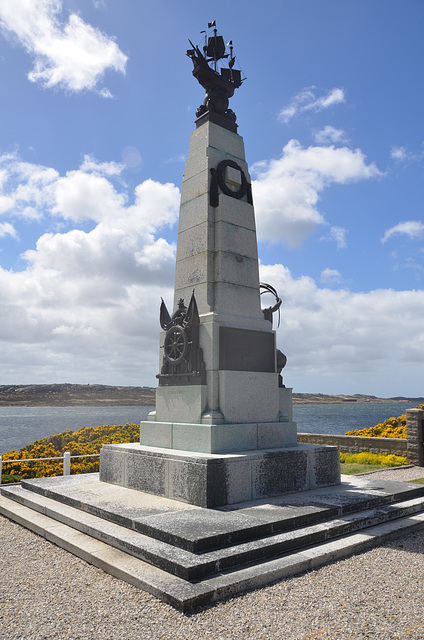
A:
x: 190, y: 595
x: 178, y: 524
x: 196, y: 565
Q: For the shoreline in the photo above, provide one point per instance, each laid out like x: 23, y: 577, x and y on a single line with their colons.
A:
x: 97, y: 395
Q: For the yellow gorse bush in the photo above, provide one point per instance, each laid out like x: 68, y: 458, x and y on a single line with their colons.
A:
x: 373, y: 458
x: 86, y: 441
x: 89, y: 440
x: 390, y: 428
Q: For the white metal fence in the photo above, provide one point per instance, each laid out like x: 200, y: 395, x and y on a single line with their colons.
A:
x: 66, y: 461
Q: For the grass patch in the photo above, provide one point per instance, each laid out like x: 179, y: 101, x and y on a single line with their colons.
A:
x: 6, y: 478
x: 419, y: 481
x: 352, y: 468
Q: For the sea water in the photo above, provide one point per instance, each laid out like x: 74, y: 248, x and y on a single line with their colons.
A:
x: 20, y: 426
x: 336, y: 419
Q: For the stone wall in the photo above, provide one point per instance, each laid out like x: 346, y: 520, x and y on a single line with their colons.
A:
x: 357, y: 444
x: 415, y: 436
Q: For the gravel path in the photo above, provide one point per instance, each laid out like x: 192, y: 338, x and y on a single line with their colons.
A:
x: 48, y: 594
x: 402, y: 474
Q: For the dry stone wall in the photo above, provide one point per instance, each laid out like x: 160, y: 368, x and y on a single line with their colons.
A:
x: 357, y: 444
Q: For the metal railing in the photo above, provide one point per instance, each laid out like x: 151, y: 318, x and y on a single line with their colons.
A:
x: 66, y: 461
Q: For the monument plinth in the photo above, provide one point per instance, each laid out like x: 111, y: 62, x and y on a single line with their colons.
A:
x: 223, y: 433
x: 223, y: 430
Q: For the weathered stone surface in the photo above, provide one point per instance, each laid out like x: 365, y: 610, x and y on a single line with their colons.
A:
x: 233, y: 438
x: 218, y: 437
x: 286, y: 403
x: 275, y: 434
x: 259, y: 392
x: 181, y: 404
x: 147, y: 472
x: 415, y: 436
x: 190, y: 556
x: 213, y: 480
x: 113, y: 467
x: 215, y: 245
x: 156, y: 434
x: 277, y: 473
x: 323, y: 468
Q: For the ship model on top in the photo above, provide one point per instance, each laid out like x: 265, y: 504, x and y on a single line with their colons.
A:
x: 219, y: 86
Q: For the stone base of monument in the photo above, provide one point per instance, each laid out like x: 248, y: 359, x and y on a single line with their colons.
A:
x: 211, y: 463
x: 214, y: 480
x: 189, y: 556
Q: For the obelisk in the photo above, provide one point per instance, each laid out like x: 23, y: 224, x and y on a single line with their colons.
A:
x: 223, y: 430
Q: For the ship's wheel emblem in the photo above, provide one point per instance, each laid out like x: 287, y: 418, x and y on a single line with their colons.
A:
x: 175, y: 345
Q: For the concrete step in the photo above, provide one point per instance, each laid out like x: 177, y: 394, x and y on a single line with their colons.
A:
x: 180, y: 525
x: 186, y: 595
x: 190, y: 565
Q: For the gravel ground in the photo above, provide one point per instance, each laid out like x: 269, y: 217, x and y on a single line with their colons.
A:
x: 48, y: 594
x: 402, y: 474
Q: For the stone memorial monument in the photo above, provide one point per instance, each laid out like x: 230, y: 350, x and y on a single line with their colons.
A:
x: 223, y: 429
x: 215, y: 461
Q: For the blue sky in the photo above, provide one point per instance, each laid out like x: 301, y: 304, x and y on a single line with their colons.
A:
x: 97, y: 106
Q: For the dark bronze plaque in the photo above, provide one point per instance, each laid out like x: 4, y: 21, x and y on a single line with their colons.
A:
x: 245, y: 350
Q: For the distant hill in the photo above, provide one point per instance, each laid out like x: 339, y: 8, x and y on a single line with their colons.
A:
x: 321, y: 398
x: 91, y: 395
x: 71, y: 395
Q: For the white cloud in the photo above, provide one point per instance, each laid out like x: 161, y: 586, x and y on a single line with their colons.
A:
x: 286, y: 191
x: 330, y: 276
x: 7, y: 229
x: 403, y: 154
x: 104, y: 168
x: 88, y: 193
x: 307, y: 100
x: 86, y: 306
x: 399, y: 153
x: 338, y: 234
x: 69, y: 54
x: 414, y: 229
x: 330, y: 134
x: 25, y: 188
x: 340, y: 339
x: 80, y: 195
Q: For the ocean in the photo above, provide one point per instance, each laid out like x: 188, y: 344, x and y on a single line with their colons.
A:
x: 336, y: 419
x: 20, y: 426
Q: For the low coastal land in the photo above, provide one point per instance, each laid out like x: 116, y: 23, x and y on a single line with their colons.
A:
x: 92, y: 395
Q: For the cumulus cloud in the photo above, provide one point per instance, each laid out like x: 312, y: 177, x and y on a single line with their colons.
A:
x: 287, y: 190
x: 7, y: 229
x: 330, y: 135
x: 402, y: 154
x: 414, y: 229
x: 338, y: 235
x: 307, y: 100
x: 336, y: 339
x: 70, y: 54
x: 85, y: 306
x: 330, y: 276
x: 25, y: 188
x: 104, y: 168
x: 399, y: 153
